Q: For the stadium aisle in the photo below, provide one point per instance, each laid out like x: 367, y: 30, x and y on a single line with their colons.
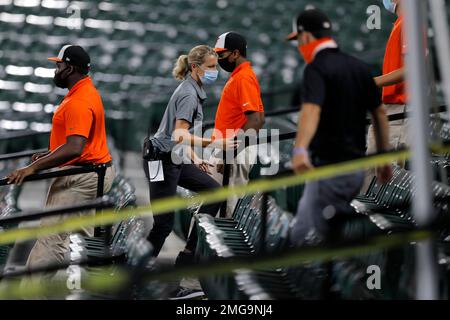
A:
x: 173, y: 244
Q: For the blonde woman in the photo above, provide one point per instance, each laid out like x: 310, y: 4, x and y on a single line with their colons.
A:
x: 195, y: 70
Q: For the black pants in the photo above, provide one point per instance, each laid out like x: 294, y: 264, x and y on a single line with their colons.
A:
x: 190, y: 177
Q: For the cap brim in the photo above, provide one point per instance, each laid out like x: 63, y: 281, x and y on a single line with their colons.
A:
x: 56, y: 59
x: 292, y: 36
x: 220, y: 50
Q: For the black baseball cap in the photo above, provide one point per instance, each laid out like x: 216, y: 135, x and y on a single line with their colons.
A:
x: 74, y: 55
x: 311, y: 20
x: 231, y: 41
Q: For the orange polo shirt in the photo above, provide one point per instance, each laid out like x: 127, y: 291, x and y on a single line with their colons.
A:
x: 394, y: 60
x: 81, y: 113
x: 240, y: 94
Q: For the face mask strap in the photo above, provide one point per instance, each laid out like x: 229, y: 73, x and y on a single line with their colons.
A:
x: 60, y: 73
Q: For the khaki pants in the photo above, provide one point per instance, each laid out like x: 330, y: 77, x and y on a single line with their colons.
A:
x: 66, y: 191
x: 398, y: 138
x: 239, y: 173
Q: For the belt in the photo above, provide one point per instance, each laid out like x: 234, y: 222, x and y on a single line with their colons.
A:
x: 87, y: 164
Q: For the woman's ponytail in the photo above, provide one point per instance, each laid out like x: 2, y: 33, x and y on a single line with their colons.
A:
x: 181, y: 68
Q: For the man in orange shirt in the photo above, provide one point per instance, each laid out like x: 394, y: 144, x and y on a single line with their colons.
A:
x: 78, y: 137
x: 240, y: 110
x: 392, y: 80
x: 393, y: 86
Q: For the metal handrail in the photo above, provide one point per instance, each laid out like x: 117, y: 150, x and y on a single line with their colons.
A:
x: 99, y: 203
x: 21, y: 154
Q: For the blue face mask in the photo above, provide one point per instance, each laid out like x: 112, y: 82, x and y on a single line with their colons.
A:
x: 209, y: 77
x: 389, y: 5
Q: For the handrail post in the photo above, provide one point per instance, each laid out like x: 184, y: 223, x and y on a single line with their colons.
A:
x: 427, y: 286
x: 225, y: 182
x: 264, y: 211
x: 100, y: 170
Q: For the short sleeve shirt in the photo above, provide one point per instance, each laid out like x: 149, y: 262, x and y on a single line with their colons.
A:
x: 186, y: 103
x: 81, y: 113
x: 394, y: 60
x: 344, y: 89
x: 241, y: 94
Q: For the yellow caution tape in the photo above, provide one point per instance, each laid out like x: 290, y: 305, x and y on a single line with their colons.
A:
x: 39, y: 287
x: 111, y: 280
x: 160, y: 206
x: 173, y: 203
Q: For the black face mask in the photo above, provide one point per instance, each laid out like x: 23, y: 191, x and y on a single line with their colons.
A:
x: 227, y: 65
x: 60, y: 81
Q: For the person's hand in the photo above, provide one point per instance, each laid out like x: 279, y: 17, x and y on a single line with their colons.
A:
x: 220, y: 168
x: 204, y: 166
x: 301, y: 163
x: 384, y: 173
x: 226, y: 144
x: 39, y: 155
x: 17, y: 176
x: 377, y: 81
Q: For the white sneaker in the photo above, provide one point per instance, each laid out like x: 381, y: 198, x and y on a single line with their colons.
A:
x: 186, y: 293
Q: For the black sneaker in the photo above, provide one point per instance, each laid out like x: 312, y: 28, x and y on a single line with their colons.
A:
x: 186, y: 293
x: 184, y: 258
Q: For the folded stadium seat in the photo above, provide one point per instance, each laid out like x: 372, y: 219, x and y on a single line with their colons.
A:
x: 120, y: 123
x: 30, y: 7
x: 183, y: 217
x: 121, y: 34
x: 281, y: 283
x: 225, y: 238
x: 441, y: 167
x: 7, y: 25
x: 17, y: 144
x: 122, y: 193
x: 287, y: 197
x: 277, y: 283
x: 376, y: 191
x: 296, y: 282
x: 210, y: 245
x: 350, y: 275
x: 398, y: 283
x: 349, y: 279
x: 9, y: 201
x: 134, y: 254
x: 8, y: 205
x: 9, y: 44
x: 12, y: 76
x: 360, y: 226
x: 4, y: 251
x: 9, y: 198
x: 392, y: 209
x: 12, y: 92
x: 34, y: 30
x: 441, y: 193
x: 113, y: 15
x: 154, y: 114
x: 108, y: 87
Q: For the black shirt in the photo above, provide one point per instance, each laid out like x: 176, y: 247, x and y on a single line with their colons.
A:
x: 345, y: 90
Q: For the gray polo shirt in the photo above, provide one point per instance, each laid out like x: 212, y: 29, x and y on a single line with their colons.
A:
x: 186, y: 103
